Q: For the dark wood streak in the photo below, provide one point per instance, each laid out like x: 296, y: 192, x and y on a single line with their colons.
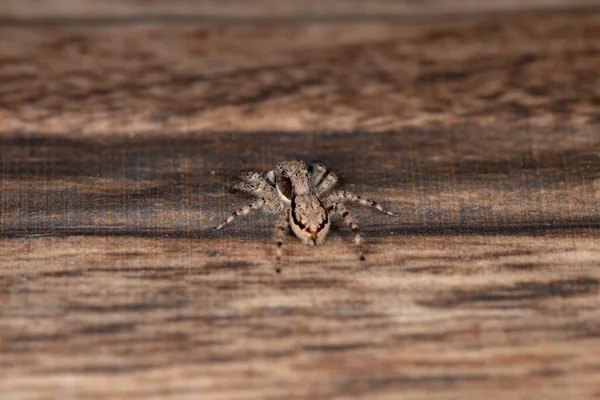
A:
x: 519, y: 292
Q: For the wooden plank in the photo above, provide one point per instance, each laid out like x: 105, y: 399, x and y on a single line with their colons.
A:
x: 487, y: 285
x: 119, y: 140
x: 218, y: 10
x: 376, y: 77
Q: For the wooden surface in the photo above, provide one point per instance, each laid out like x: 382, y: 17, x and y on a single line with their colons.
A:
x: 369, y: 76
x: 118, y: 145
x: 215, y: 11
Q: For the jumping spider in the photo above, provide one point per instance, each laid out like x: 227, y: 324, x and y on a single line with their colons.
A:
x: 305, y: 199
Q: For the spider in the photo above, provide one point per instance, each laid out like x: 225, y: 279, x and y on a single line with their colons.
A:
x: 304, y: 198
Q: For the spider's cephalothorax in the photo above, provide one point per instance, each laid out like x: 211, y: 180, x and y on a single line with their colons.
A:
x: 305, y: 199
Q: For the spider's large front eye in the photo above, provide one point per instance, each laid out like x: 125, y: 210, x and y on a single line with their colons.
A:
x: 284, y: 184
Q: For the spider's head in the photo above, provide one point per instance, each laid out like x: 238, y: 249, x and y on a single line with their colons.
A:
x: 292, y: 178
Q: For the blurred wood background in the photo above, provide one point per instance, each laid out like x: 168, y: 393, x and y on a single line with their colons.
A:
x: 122, y: 124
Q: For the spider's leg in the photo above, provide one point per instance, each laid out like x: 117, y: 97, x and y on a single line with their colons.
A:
x: 318, y: 172
x: 257, y: 188
x: 250, y: 176
x: 241, y: 212
x: 261, y: 189
x: 341, y: 210
x: 347, y: 197
x: 327, y: 183
x: 282, y: 226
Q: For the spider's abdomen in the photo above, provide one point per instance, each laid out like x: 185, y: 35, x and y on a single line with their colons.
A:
x: 309, y: 219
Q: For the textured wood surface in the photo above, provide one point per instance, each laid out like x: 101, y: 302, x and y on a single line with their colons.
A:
x: 211, y: 11
x: 364, y: 76
x: 118, y: 143
x: 486, y: 285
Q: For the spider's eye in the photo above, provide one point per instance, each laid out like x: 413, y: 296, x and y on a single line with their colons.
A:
x: 284, y: 184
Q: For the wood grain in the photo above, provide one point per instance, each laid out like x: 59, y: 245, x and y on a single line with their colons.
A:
x: 376, y: 77
x: 487, y: 285
x: 211, y: 11
x: 121, y: 128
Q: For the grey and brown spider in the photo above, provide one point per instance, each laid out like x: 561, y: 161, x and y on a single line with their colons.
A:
x: 304, y: 197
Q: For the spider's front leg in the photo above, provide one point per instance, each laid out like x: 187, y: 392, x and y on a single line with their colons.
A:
x: 341, y: 210
x: 327, y: 183
x: 318, y: 172
x: 241, y: 212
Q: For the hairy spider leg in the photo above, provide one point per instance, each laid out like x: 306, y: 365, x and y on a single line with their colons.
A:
x: 318, y: 172
x: 241, y: 212
x: 347, y: 197
x: 327, y: 183
x: 341, y: 210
